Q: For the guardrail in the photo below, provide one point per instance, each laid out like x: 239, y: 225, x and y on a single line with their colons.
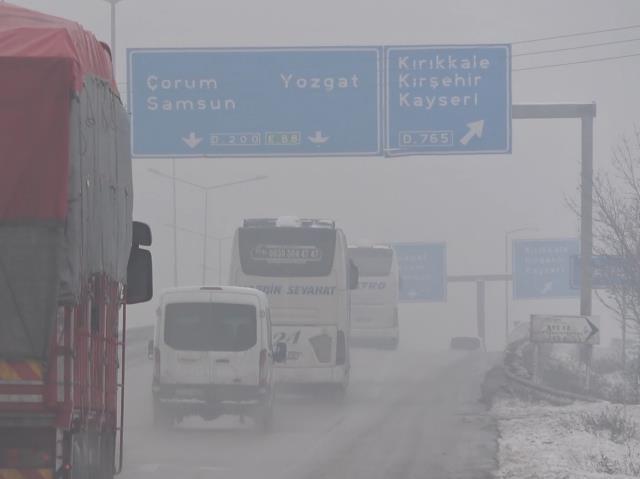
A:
x: 514, y: 369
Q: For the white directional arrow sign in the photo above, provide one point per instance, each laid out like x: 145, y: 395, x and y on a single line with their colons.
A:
x: 475, y: 129
x: 192, y: 140
x: 318, y: 138
x: 565, y: 329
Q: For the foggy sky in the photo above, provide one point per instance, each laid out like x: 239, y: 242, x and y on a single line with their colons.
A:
x: 469, y: 202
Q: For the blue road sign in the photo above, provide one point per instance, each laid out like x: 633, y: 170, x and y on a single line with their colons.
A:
x: 606, y: 271
x: 542, y: 268
x: 255, y: 102
x: 423, y: 271
x: 448, y: 100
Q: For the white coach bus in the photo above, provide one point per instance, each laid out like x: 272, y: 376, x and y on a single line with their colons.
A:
x: 374, y: 305
x: 303, y: 267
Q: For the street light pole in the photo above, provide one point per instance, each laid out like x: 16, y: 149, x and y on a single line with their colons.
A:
x: 204, y: 239
x: 113, y: 4
x: 175, y: 221
x: 206, y: 190
x: 219, y: 239
x: 506, y: 281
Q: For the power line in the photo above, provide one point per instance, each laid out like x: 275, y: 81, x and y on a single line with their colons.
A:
x: 590, y: 45
x: 580, y: 34
x: 593, y: 60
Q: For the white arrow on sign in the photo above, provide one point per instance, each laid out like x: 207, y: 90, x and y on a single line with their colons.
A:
x: 318, y: 138
x: 547, y: 288
x: 475, y: 129
x: 192, y: 140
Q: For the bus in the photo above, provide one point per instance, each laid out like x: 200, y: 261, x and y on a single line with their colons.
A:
x: 302, y: 265
x: 374, y: 305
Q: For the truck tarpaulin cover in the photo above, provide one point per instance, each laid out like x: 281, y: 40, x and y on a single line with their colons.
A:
x: 65, y: 174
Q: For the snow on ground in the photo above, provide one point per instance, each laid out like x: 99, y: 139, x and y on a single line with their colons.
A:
x: 580, y: 441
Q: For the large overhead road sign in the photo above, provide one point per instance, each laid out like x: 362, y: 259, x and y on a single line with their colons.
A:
x: 448, y: 100
x: 542, y: 268
x: 256, y: 102
x: 423, y: 271
x: 565, y: 329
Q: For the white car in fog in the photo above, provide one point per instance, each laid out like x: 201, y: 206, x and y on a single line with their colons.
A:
x: 213, y: 355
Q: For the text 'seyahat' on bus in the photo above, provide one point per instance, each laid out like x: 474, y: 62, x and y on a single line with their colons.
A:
x: 303, y: 267
x: 374, y: 305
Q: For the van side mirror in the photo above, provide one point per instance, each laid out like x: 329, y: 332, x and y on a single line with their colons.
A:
x: 150, y: 349
x: 280, y: 354
x: 139, y: 276
x: 354, y: 276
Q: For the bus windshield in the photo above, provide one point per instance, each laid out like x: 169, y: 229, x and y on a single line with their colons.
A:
x: 372, y: 261
x: 286, y: 252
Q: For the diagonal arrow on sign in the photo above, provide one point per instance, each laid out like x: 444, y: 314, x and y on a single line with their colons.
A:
x: 475, y: 129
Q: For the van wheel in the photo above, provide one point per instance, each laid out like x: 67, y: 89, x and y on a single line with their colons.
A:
x: 393, y: 343
x: 264, y: 414
x: 162, y: 419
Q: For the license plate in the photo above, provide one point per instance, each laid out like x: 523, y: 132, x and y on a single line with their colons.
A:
x: 364, y: 320
x: 293, y: 355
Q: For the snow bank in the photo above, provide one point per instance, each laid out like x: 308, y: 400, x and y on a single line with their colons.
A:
x: 542, y: 441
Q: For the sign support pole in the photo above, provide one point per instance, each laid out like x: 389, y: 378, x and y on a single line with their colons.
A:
x: 480, y: 300
x: 586, y: 113
x: 536, y: 363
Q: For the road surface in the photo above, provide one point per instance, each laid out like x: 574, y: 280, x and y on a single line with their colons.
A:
x: 411, y: 413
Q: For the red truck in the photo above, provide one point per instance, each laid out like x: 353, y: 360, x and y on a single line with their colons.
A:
x: 71, y: 258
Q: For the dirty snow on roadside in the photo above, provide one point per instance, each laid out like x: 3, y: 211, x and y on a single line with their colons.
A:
x: 580, y: 441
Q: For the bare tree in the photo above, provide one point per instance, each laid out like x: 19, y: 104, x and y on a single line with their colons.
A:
x: 616, y: 233
x: 616, y: 216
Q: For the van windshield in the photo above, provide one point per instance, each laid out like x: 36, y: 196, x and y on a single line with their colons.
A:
x: 210, y: 326
x: 372, y: 261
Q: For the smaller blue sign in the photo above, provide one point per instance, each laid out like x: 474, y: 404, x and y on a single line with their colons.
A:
x: 606, y: 271
x: 423, y: 271
x: 542, y: 268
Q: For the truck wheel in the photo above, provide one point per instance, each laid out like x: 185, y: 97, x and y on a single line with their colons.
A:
x: 264, y: 416
x: 265, y: 419
x: 107, y: 456
x: 79, y: 465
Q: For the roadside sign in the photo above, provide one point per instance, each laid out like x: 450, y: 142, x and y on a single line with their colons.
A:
x: 448, y: 99
x: 255, y: 102
x: 542, y: 268
x: 565, y: 329
x: 423, y: 271
x: 606, y: 271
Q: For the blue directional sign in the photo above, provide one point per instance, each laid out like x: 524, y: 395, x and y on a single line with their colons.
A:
x: 423, y: 271
x: 448, y: 100
x: 542, y: 268
x: 606, y: 271
x: 255, y: 102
